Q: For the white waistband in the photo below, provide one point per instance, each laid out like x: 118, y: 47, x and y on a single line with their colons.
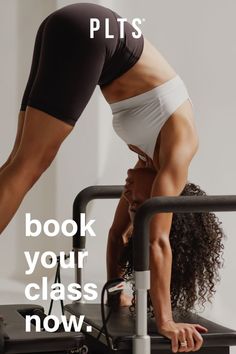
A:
x: 157, y: 91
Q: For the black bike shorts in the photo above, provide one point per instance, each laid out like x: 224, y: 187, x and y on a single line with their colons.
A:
x: 67, y: 64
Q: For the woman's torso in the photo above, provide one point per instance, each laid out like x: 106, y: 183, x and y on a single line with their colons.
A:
x: 150, y: 71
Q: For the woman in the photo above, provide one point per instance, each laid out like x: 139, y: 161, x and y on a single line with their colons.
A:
x: 196, y: 241
x: 152, y: 113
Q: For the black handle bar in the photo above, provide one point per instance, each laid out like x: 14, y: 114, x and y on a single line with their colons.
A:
x: 145, y: 212
x: 81, y: 201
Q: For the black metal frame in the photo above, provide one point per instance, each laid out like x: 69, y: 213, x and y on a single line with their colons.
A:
x: 81, y: 201
x: 145, y: 212
x: 184, y: 204
x: 180, y: 204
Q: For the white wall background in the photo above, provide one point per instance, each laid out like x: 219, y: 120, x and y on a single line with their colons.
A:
x: 198, y: 39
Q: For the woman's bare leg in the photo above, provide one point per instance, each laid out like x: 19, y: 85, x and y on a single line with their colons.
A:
x: 41, y: 138
x: 21, y: 119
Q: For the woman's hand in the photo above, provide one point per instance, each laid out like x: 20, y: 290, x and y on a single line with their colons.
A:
x: 185, y: 333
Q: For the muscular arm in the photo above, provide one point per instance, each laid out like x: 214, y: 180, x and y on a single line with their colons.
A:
x: 170, y: 181
x: 178, y: 146
x: 115, y: 243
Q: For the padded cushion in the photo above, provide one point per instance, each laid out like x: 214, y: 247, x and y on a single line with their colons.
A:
x: 121, y: 327
x: 19, y: 341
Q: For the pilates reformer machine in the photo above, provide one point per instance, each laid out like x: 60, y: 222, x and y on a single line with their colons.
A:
x: 116, y: 331
x: 122, y: 333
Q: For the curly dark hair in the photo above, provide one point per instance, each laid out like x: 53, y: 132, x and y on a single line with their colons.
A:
x: 197, y: 249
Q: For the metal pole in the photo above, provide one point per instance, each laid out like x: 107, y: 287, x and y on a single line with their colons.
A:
x: 79, y: 206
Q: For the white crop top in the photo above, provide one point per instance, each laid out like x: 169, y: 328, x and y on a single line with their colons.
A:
x: 139, y: 119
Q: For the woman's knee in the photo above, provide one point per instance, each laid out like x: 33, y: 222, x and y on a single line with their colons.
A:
x: 44, y: 159
x: 32, y: 166
x: 40, y: 142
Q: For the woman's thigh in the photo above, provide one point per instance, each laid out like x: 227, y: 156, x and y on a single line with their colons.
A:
x: 66, y: 67
x: 41, y: 138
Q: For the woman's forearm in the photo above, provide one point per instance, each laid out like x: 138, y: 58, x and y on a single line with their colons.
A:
x: 160, y: 266
x: 169, y: 182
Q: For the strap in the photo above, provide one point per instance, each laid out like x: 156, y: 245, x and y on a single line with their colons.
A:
x: 112, y: 287
x: 57, y: 280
